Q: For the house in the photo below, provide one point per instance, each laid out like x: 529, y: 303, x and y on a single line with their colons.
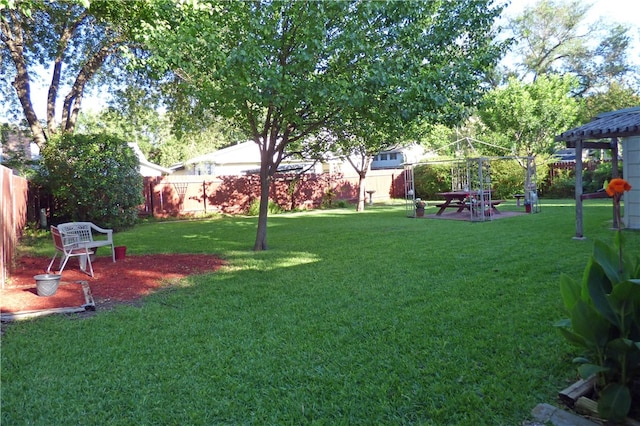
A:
x: 396, y: 157
x: 236, y: 160
x: 566, y: 155
x: 244, y: 158
x: 17, y: 144
x: 605, y: 131
x: 146, y: 167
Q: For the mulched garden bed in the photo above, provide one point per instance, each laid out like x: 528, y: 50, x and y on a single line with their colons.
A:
x: 124, y: 281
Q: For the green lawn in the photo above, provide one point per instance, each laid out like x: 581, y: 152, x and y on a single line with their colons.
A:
x: 350, y: 318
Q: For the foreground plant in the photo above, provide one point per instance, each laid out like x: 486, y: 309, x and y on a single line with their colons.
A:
x: 604, y: 319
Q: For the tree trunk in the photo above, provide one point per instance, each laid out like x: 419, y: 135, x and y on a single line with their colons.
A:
x: 362, y: 176
x: 14, y: 40
x: 265, y: 183
x: 52, y: 95
x: 21, y: 84
x: 361, y: 191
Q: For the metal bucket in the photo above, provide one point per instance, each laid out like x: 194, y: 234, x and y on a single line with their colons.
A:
x: 47, y: 284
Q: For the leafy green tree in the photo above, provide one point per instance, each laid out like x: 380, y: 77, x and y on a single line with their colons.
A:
x: 551, y: 37
x: 437, y: 137
x: 166, y: 138
x: 526, y: 117
x: 94, y: 178
x: 615, y: 97
x: 357, y: 142
x: 285, y: 70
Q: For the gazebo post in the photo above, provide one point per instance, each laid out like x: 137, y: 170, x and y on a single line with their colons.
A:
x: 614, y: 173
x: 578, y: 190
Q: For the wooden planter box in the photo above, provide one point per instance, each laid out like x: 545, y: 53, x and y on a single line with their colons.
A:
x: 578, y: 398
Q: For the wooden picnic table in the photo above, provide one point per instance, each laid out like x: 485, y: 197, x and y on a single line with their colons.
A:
x: 452, y: 199
x: 459, y: 200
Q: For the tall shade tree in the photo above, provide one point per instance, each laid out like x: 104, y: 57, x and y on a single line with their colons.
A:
x: 357, y: 142
x: 73, y: 40
x: 553, y: 37
x: 286, y: 69
x: 615, y: 97
x: 527, y: 116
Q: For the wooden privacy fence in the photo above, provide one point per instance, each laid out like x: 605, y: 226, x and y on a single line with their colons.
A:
x: 190, y: 195
x: 13, y: 217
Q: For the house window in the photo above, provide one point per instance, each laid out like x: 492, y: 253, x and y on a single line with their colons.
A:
x: 383, y: 157
x: 393, y: 156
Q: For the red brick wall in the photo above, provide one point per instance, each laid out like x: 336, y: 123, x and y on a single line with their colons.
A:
x: 184, y: 195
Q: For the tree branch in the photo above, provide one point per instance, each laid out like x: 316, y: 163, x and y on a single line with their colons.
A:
x: 12, y: 37
x: 63, y: 42
x: 73, y: 100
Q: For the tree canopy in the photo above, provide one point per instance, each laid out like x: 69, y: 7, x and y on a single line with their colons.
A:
x: 75, y: 40
x: 525, y: 117
x: 554, y: 37
x: 286, y: 69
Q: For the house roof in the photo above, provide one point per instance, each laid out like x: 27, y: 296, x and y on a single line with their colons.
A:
x: 146, y: 163
x: 245, y: 152
x: 620, y: 123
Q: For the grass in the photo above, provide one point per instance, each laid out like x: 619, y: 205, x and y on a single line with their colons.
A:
x: 350, y: 318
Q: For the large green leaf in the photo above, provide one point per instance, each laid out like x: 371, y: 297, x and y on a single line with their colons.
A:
x: 615, y: 402
x: 572, y: 337
x: 599, y: 286
x: 570, y: 291
x: 590, y: 325
x: 609, y: 259
x: 621, y: 346
x: 625, y: 299
x: 588, y: 370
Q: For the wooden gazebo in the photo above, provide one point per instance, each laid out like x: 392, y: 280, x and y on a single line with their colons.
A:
x: 605, y: 131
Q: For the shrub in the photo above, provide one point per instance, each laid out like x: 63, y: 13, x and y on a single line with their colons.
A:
x: 563, y: 183
x: 429, y: 179
x: 603, y: 172
x: 273, y: 208
x: 93, y: 178
x: 341, y: 204
x: 563, y: 186
x: 507, y: 178
x: 327, y: 198
x: 604, y: 321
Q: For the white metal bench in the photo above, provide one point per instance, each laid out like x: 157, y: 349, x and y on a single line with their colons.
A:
x: 67, y: 246
x: 84, y: 233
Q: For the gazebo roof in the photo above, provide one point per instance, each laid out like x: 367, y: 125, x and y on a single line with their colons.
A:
x: 621, y: 123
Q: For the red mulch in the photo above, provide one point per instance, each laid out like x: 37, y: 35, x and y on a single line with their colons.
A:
x: 125, y: 280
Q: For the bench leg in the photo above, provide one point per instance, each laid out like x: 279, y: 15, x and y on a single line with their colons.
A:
x: 51, y: 263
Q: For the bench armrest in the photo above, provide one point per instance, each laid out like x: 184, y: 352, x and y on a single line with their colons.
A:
x: 108, y: 232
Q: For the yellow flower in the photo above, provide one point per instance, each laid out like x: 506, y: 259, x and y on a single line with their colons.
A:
x: 617, y: 186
